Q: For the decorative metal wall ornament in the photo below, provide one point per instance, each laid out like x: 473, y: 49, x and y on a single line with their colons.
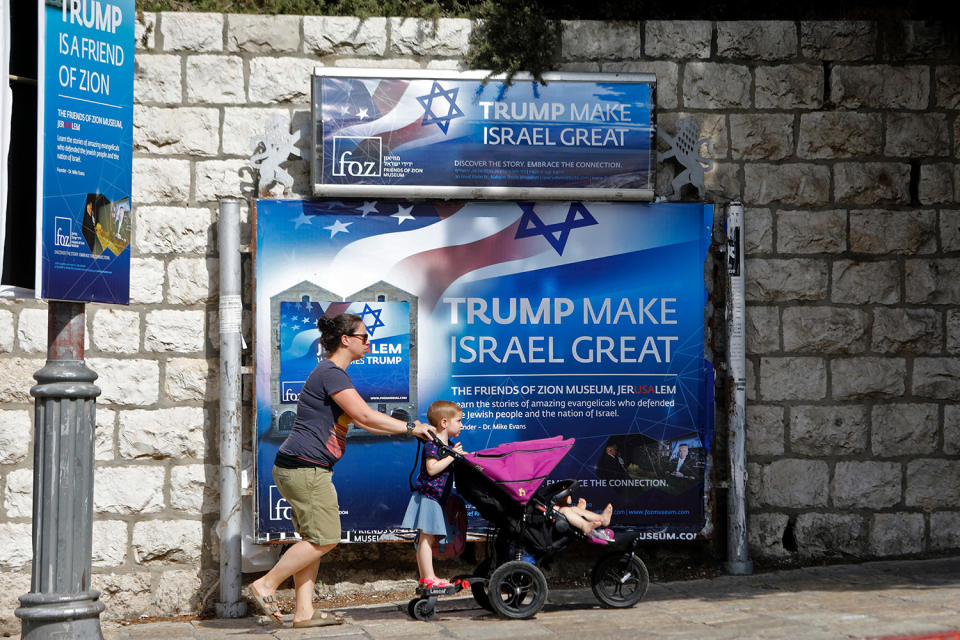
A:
x: 276, y: 146
x: 685, y: 148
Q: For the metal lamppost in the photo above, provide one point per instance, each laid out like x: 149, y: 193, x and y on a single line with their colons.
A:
x: 60, y: 603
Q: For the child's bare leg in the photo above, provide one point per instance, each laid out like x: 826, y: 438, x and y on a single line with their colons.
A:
x: 582, y: 504
x: 425, y: 556
x: 578, y: 521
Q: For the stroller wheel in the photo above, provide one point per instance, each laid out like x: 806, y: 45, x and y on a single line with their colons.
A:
x: 422, y: 609
x: 517, y: 590
x: 620, y: 580
x: 479, y: 589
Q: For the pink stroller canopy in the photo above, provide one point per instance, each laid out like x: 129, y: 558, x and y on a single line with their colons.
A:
x: 519, y: 468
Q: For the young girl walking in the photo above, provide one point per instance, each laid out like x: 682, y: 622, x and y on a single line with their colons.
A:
x: 425, y: 511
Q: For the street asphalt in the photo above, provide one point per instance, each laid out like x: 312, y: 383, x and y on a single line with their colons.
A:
x: 891, y: 599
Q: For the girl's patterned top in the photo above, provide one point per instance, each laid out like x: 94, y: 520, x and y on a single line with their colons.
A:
x: 434, y: 487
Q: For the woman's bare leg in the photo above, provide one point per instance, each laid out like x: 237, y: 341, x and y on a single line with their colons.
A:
x: 302, y: 555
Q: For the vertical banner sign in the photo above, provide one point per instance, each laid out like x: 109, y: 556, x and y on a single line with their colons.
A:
x: 436, y: 134
x: 539, y: 318
x: 87, y: 49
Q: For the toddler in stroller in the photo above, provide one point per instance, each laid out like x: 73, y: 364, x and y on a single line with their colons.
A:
x: 506, y: 486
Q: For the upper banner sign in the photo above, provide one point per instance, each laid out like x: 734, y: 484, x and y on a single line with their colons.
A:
x: 451, y: 135
x: 86, y: 119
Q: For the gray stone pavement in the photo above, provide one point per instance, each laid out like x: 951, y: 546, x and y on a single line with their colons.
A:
x: 871, y: 600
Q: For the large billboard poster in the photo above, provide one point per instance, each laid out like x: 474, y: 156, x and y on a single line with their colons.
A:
x: 426, y: 134
x: 539, y: 318
x: 87, y: 141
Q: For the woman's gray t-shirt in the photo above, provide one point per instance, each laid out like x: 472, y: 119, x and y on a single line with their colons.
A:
x: 319, y: 432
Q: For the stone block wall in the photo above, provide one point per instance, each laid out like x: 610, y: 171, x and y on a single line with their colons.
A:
x: 842, y: 139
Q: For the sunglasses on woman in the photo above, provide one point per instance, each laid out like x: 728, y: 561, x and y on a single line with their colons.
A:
x: 364, y: 337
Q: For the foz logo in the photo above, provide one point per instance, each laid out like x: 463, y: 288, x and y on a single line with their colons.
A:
x: 62, y: 232
x: 279, y: 508
x: 357, y: 157
x: 290, y: 391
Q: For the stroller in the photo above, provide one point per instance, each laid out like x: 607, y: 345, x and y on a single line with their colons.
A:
x: 506, y: 485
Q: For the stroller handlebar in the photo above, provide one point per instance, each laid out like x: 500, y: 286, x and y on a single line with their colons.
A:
x: 558, y: 491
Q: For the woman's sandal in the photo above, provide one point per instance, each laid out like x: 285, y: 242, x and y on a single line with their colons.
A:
x: 319, y: 619
x: 268, y: 606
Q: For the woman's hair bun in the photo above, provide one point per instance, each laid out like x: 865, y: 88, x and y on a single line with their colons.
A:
x: 325, y: 324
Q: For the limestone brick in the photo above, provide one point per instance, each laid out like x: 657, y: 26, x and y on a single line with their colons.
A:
x: 175, y: 433
x: 865, y: 282
x: 161, y: 180
x: 345, y: 36
x: 758, y: 231
x: 195, y: 488
x: 895, y: 534
x: 953, y: 331
x: 757, y: 39
x: 157, y: 79
x: 116, y: 330
x: 419, y: 37
x: 16, y: 435
x: 711, y: 127
x: 176, y: 230
x: 796, y: 483
x: 871, y: 183
x: 789, y: 86
x: 917, y: 135
x: 840, y: 40
x: 191, y: 379
x: 106, y: 420
x: 825, y: 330
x: 16, y: 551
x: 946, y: 86
x: 714, y: 85
x: 280, y: 80
x: 263, y: 34
x: 761, y: 136
x: 18, y: 493
x: 880, y: 87
x: 146, y: 280
x: 216, y: 179
x: 668, y: 76
x: 192, y: 280
x: 191, y: 31
x: 933, y: 281
x: 936, y: 183
x: 16, y: 378
x: 593, y: 40
x: 826, y: 535
x: 950, y: 229
x: 795, y: 184
x: 110, y: 540
x: 145, y: 31
x: 128, y: 490
x: 785, y: 280
x: 126, y: 595
x: 174, y: 330
x: 765, y: 532
x: 811, y: 231
x: 32, y: 330
x: 762, y: 330
x: 127, y: 382
x: 243, y: 127
x: 792, y: 379
x: 892, y: 232
x: 868, y: 377
x: 167, y: 541
x: 944, y: 530
x: 764, y: 430
x: 919, y: 40
x: 839, y: 134
x: 904, y: 429
x: 900, y: 330
x: 932, y: 483
x: 677, y: 38
x: 178, y: 592
x: 6, y: 331
x: 866, y: 485
x: 937, y: 378
x: 176, y: 131
x: 214, y: 79
x: 839, y: 430
x: 13, y: 584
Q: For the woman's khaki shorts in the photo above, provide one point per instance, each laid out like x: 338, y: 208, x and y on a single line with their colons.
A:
x: 313, y: 501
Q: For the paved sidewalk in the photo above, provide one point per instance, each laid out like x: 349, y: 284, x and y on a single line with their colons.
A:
x: 872, y: 600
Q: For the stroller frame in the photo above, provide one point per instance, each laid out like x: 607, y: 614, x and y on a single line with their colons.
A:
x: 509, y: 581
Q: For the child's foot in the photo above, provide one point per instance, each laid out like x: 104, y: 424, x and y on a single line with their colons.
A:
x: 581, y: 503
x: 433, y: 583
x: 605, y: 514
